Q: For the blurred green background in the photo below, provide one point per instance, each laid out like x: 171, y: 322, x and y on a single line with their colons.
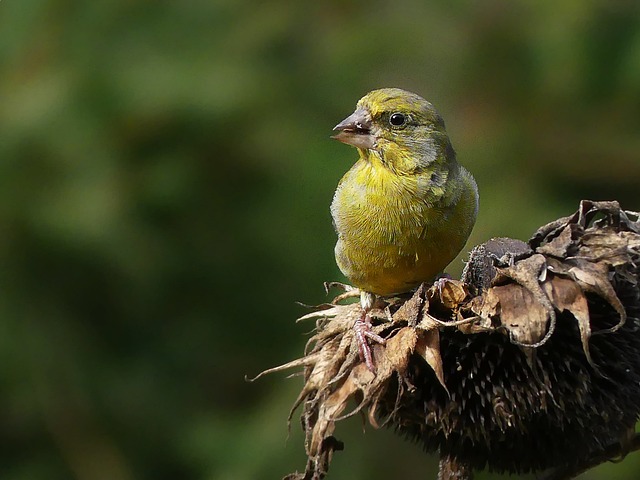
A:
x: 165, y: 179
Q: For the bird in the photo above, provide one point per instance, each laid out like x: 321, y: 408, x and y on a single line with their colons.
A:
x: 406, y: 207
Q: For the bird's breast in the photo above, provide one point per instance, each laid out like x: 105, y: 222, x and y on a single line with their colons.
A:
x: 373, y: 206
x: 397, y: 231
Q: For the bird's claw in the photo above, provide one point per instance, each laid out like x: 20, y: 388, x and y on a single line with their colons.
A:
x: 440, y: 283
x: 363, y: 333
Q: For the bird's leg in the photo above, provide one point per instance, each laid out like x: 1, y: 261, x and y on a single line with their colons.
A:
x: 363, y: 331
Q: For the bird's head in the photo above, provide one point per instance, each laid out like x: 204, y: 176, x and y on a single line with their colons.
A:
x: 399, y: 127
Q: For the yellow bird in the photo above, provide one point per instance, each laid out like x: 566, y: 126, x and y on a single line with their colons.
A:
x: 406, y: 208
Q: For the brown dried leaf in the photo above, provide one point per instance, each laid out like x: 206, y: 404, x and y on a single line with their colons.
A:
x: 340, y: 286
x: 326, y: 310
x: 632, y: 240
x: 487, y: 305
x: 331, y: 408
x: 594, y: 277
x: 557, y: 266
x: 529, y: 273
x: 409, y: 312
x: 429, y: 322
x: 449, y: 293
x: 550, y: 230
x: 340, y: 319
x: 608, y: 245
x: 559, y: 246
x: 475, y: 325
x: 566, y: 295
x: 520, y: 313
x: 589, y: 209
x: 395, y: 360
x: 428, y: 347
x: 322, y: 371
x: 299, y: 362
x: 526, y: 272
x: 397, y: 351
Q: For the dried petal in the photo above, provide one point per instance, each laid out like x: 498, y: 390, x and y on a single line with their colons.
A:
x: 594, y: 277
x: 428, y: 347
x: 521, y: 314
x: 566, y: 295
x: 410, y: 310
x: 449, y: 293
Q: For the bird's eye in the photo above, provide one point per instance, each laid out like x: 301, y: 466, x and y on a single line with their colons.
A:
x: 397, y: 119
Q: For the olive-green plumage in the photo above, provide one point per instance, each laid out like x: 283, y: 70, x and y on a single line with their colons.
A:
x: 406, y: 208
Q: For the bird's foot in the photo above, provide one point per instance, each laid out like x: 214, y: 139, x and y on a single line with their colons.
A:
x: 441, y: 282
x: 364, y: 333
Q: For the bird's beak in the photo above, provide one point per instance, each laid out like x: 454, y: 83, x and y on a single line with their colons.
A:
x: 356, y: 130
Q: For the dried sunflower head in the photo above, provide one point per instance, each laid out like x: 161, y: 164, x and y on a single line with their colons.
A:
x: 531, y: 362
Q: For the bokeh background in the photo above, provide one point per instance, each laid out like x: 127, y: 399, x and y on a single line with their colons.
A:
x: 165, y: 177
